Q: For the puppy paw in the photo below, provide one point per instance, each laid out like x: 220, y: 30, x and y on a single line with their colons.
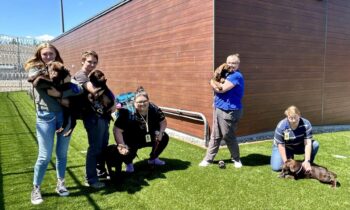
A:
x: 68, y: 133
x: 59, y: 130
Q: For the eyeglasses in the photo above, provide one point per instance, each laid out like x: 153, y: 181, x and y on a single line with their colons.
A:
x: 141, y: 102
x: 232, y: 63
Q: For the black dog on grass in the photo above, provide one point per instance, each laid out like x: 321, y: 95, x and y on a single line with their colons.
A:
x: 114, y: 156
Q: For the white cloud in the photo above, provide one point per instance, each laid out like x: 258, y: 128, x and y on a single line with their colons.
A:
x: 45, y: 37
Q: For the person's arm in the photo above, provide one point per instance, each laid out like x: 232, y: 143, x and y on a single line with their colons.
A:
x: 308, y: 147
x: 91, y: 88
x: 118, y: 135
x: 226, y: 86
x: 54, y: 92
x: 39, y: 78
x: 282, y: 151
x: 71, y: 88
x: 279, y: 140
x: 119, y: 139
x: 162, y: 126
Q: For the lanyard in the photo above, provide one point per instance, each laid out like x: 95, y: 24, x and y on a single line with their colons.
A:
x: 146, y: 121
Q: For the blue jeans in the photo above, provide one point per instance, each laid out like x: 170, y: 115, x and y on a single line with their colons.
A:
x: 277, y: 161
x: 46, y: 125
x: 97, y: 129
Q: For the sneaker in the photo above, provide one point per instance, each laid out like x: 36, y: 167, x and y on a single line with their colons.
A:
x: 156, y: 161
x: 96, y: 185
x: 238, y: 164
x: 104, y: 176
x: 36, y: 195
x: 61, y: 188
x: 204, y: 163
x: 129, y: 168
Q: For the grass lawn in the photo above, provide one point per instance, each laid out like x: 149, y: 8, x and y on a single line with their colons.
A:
x: 180, y: 184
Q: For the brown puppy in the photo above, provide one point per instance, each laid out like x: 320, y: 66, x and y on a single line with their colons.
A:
x: 294, y: 169
x: 220, y: 75
x: 54, y: 75
x: 57, y: 76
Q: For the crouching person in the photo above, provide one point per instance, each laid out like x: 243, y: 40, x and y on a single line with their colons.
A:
x: 144, y: 128
x: 293, y: 135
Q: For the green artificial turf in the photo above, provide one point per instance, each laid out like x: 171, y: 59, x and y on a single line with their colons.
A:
x: 180, y: 184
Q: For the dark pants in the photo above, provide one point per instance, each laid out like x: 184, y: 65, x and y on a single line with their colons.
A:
x: 157, y: 149
x: 97, y: 129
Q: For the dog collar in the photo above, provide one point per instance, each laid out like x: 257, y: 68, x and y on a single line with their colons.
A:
x: 300, y: 169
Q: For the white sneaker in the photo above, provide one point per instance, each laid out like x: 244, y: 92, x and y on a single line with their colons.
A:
x: 61, y: 188
x: 129, y: 168
x: 36, y: 196
x: 204, y: 163
x: 238, y: 164
x: 156, y: 162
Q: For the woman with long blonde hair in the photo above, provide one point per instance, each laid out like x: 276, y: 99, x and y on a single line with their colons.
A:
x: 49, y: 117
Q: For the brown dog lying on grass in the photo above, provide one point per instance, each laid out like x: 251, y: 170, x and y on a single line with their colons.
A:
x: 220, y: 75
x: 294, y: 169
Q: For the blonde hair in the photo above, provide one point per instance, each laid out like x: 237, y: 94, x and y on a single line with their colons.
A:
x: 292, y: 110
x: 236, y: 55
x: 37, y: 61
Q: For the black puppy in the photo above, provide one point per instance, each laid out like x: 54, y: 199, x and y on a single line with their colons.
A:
x: 114, y: 156
x: 102, y: 100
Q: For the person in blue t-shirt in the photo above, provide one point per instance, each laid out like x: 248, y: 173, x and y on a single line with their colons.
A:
x: 227, y: 113
x: 293, y: 135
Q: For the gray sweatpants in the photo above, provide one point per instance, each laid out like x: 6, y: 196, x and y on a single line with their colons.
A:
x: 224, y: 128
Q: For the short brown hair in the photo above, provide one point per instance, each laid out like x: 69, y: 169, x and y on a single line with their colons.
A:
x: 88, y: 53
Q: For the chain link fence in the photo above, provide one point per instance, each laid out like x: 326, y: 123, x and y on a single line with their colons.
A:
x: 14, y: 52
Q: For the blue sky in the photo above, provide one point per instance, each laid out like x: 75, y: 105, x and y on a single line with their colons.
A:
x: 42, y: 18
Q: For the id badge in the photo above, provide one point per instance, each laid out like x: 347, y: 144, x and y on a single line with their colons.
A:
x: 148, y: 138
x: 286, y: 135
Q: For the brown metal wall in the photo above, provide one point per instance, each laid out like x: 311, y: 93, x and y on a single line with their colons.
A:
x: 337, y: 74
x: 292, y: 52
x: 165, y: 46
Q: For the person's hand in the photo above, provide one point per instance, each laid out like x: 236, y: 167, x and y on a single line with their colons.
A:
x: 123, y: 149
x: 64, y: 102
x: 54, y: 92
x: 158, y: 136
x: 307, y: 166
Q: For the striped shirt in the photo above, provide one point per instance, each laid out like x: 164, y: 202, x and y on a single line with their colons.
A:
x: 284, y: 134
